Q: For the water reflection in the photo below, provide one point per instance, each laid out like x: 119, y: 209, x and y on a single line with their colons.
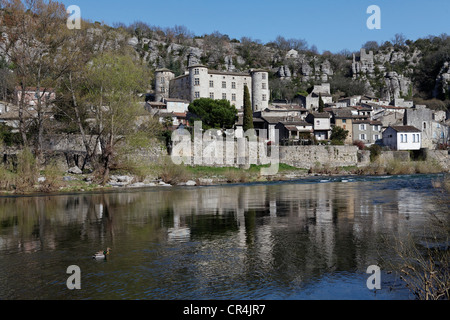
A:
x: 243, y: 241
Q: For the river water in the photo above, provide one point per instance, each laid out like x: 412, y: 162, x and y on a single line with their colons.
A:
x: 306, y: 239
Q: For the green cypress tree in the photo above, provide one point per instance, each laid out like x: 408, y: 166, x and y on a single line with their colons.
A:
x: 248, y: 112
x: 321, y: 104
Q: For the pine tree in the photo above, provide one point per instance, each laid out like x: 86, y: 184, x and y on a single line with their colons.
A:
x: 248, y: 112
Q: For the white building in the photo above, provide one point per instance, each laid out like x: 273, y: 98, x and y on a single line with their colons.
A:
x: 176, y: 105
x: 402, y: 138
x: 321, y: 122
x: 200, y: 82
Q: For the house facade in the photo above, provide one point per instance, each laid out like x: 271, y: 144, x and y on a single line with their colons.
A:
x: 201, y: 82
x: 31, y: 95
x: 321, y: 122
x: 402, y: 138
x: 367, y: 131
x: 294, y: 132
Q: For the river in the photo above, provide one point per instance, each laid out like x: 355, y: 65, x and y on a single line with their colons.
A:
x: 306, y: 239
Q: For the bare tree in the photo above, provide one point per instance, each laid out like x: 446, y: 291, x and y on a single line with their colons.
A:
x: 399, y: 39
x: 35, y: 33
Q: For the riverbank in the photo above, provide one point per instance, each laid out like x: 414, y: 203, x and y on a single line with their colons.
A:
x: 167, y: 174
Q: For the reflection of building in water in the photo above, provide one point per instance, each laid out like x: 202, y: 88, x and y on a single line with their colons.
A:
x: 310, y: 225
x: 178, y: 232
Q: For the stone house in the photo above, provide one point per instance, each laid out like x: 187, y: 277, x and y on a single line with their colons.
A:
x: 176, y: 118
x: 296, y: 132
x: 283, y: 110
x: 311, y: 101
x: 343, y: 117
x: 31, y: 95
x: 402, y: 138
x: 431, y: 123
x: 367, y: 131
x: 351, y: 101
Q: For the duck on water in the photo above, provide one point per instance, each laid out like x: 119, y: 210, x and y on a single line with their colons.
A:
x: 101, y: 254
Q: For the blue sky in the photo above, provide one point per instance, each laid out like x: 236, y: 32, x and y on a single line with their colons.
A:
x: 331, y: 25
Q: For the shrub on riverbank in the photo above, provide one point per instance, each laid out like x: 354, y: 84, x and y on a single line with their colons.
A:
x: 396, y: 167
x: 424, y: 264
x: 7, y: 178
x: 26, y: 171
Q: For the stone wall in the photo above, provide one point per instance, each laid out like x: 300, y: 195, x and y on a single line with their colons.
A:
x: 67, y: 151
x: 311, y: 156
x: 387, y: 156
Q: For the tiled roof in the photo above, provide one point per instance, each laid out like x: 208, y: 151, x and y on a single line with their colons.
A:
x: 405, y: 129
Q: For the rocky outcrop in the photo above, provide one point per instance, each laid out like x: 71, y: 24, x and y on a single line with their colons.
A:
x: 395, y: 86
x: 370, y: 66
x: 284, y: 72
x: 442, y: 87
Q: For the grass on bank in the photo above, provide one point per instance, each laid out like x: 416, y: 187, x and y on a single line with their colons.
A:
x: 397, y: 167
x: 22, y: 177
x: 172, y: 173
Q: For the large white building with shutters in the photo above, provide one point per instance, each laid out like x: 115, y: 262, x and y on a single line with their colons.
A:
x: 201, y: 82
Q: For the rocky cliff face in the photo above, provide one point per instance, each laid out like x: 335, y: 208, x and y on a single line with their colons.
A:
x: 392, y: 70
x: 385, y: 73
x: 442, y: 87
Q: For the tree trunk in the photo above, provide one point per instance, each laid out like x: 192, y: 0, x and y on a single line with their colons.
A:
x: 21, y: 105
x: 88, y: 156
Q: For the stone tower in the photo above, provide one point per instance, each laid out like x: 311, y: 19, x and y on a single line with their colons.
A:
x: 260, y: 90
x: 198, y: 81
x: 162, y: 83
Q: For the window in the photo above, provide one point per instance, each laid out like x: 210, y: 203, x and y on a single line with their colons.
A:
x: 376, y: 137
x: 233, y: 85
x: 196, y: 71
x: 211, y: 84
x: 344, y: 120
x: 196, y: 81
x: 233, y: 97
x: 196, y: 94
x: 424, y: 125
x: 362, y: 136
x: 264, y: 85
x: 414, y: 138
x: 224, y: 96
x: 418, y: 136
x: 403, y: 138
x: 317, y: 122
x: 264, y: 97
x: 224, y: 84
x: 263, y: 76
x: 162, y: 79
x: 362, y: 127
x: 163, y: 89
x: 211, y: 95
x: 344, y: 126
